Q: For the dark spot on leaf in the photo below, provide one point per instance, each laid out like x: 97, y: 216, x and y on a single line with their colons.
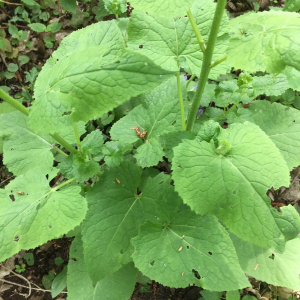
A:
x: 209, y: 253
x: 174, y: 123
x: 50, y: 226
x: 234, y: 192
x: 11, y: 149
x: 152, y: 262
x: 141, y: 46
x: 16, y: 238
x: 294, y: 121
x: 272, y: 256
x: 121, y: 251
x: 187, y: 247
x: 196, y: 274
x: 12, y: 197
x: 180, y: 166
x: 74, y: 259
x: 163, y: 227
x: 38, y: 206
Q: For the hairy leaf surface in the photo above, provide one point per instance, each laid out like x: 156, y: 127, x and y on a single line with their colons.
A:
x: 168, y: 8
x: 279, y: 269
x: 280, y: 123
x: 269, y: 41
x: 79, y: 79
x: 116, y: 210
x: 233, y: 186
x: 118, y: 286
x: 23, y: 149
x: 158, y: 114
x: 31, y: 213
x: 171, y: 42
x: 182, y: 243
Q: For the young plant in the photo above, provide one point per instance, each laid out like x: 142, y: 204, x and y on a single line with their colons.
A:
x: 202, y: 215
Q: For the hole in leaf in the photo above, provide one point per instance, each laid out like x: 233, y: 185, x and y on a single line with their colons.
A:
x: 272, y: 256
x: 16, y: 238
x: 294, y: 121
x: 121, y: 251
x: 74, y: 259
x: 196, y: 274
x: 187, y: 247
x: 50, y: 226
x: 234, y: 192
x: 12, y: 197
x: 141, y: 46
x: 152, y: 262
x: 209, y: 253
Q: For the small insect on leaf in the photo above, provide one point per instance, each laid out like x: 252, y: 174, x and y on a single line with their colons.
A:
x: 182, y: 273
x: 180, y: 248
x: 21, y: 193
x: 118, y: 181
x: 256, y: 267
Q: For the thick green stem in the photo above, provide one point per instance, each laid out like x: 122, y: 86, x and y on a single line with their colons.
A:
x: 64, y: 143
x: 181, y: 102
x: 196, y: 30
x: 190, y: 80
x: 207, y: 58
x: 63, y: 184
x: 13, y: 102
x: 77, y: 136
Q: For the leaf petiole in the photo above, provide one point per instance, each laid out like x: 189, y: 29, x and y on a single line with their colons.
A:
x: 181, y: 102
x: 77, y: 136
x: 62, y: 184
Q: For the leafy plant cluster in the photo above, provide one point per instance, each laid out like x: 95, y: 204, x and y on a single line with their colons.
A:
x: 156, y: 185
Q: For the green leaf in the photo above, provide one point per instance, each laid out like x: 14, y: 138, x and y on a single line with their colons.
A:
x: 278, y: 269
x: 158, y: 114
x: 209, y: 131
x: 23, y: 59
x: 167, y: 8
x: 292, y: 5
x: 292, y: 76
x: 233, y: 187
x: 93, y: 142
x: 38, y: 27
x: 267, y: 44
x: 23, y: 149
x: 208, y: 295
x: 280, y: 123
x: 79, y: 83
x: 233, y: 295
x: 115, y: 7
x: 270, y: 85
x: 171, y: 43
x: 113, y: 153
x: 173, y: 139
x: 29, y: 259
x: 59, y: 283
x: 32, y: 213
x: 116, y: 210
x: 183, y: 245
x: 118, y: 286
x: 101, y: 11
x: 69, y: 5
x: 54, y: 27
x: 227, y: 92
x: 12, y: 67
x: 29, y: 2
x: 58, y: 261
x: 76, y: 165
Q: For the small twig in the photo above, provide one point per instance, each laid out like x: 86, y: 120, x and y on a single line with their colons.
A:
x: 17, y: 24
x: 5, y: 13
x: 20, y: 276
x: 37, y: 289
x: 5, y: 180
x: 10, y: 3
